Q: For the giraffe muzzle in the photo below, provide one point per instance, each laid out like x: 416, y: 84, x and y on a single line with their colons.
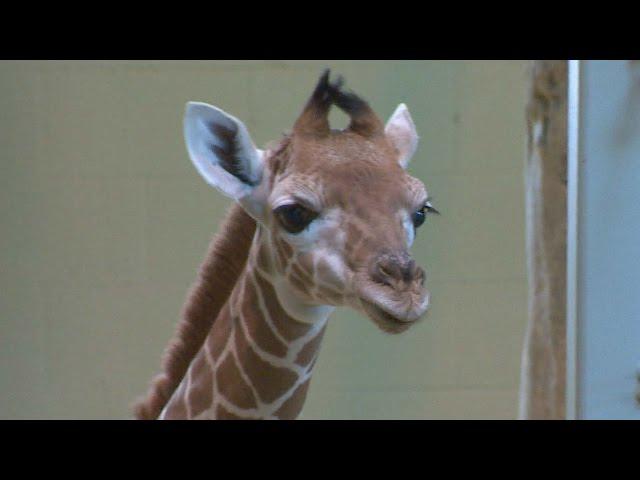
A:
x: 393, y: 295
x: 398, y: 271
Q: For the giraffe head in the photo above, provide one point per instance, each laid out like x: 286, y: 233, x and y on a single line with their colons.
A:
x: 337, y: 210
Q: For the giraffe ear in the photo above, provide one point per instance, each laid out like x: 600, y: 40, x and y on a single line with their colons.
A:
x: 401, y: 131
x: 221, y: 150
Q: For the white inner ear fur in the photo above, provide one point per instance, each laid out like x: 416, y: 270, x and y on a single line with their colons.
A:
x: 200, y: 120
x: 401, y: 131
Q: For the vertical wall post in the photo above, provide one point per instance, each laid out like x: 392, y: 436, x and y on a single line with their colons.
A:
x: 543, y: 376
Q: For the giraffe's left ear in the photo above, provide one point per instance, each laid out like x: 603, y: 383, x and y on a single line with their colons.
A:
x: 401, y: 132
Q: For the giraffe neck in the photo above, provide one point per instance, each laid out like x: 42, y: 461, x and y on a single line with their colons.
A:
x: 258, y: 358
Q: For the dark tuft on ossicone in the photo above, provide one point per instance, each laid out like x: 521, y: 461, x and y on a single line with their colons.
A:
x: 327, y: 93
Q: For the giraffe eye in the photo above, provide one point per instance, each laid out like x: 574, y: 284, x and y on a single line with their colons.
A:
x: 420, y: 215
x: 294, y: 217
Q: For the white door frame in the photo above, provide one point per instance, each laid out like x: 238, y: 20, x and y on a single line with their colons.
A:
x: 573, y: 156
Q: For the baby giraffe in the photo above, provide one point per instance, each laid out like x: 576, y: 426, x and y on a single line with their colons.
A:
x: 324, y: 218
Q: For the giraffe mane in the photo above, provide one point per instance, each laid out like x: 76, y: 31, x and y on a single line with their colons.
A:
x: 223, y: 264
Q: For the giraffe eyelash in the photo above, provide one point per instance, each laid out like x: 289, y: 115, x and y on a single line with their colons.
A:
x: 429, y: 207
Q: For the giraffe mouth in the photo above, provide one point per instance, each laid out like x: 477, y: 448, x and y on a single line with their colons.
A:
x: 385, y: 320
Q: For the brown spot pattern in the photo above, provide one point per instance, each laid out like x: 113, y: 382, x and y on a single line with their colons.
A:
x: 288, y: 327
x: 270, y: 382
x: 259, y: 331
x: 290, y: 409
x: 224, y: 414
x: 309, y: 351
x: 231, y: 385
x: 201, y: 392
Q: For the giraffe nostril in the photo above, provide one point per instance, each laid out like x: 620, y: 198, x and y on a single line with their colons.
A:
x: 383, y: 274
x: 409, y: 270
x: 397, y: 269
x: 385, y: 271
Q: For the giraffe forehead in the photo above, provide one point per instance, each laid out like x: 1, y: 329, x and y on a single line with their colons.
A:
x: 350, y: 188
x: 341, y: 164
x: 341, y: 147
x: 346, y: 179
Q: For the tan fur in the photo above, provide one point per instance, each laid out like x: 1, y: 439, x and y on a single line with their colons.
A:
x: 258, y: 357
x: 218, y: 274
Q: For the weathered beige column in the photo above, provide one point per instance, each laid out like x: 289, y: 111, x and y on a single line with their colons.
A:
x: 542, y: 389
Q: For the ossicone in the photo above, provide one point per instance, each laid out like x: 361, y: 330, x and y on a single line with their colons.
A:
x: 314, y: 119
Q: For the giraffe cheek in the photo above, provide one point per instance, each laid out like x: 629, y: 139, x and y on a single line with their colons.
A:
x: 330, y: 270
x: 263, y: 259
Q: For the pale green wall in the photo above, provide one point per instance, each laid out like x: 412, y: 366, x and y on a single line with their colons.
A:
x: 104, y: 222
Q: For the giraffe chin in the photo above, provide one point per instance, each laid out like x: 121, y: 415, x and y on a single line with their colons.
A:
x: 384, y: 320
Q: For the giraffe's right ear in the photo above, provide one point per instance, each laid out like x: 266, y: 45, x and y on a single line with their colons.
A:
x: 401, y: 131
x: 221, y: 150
